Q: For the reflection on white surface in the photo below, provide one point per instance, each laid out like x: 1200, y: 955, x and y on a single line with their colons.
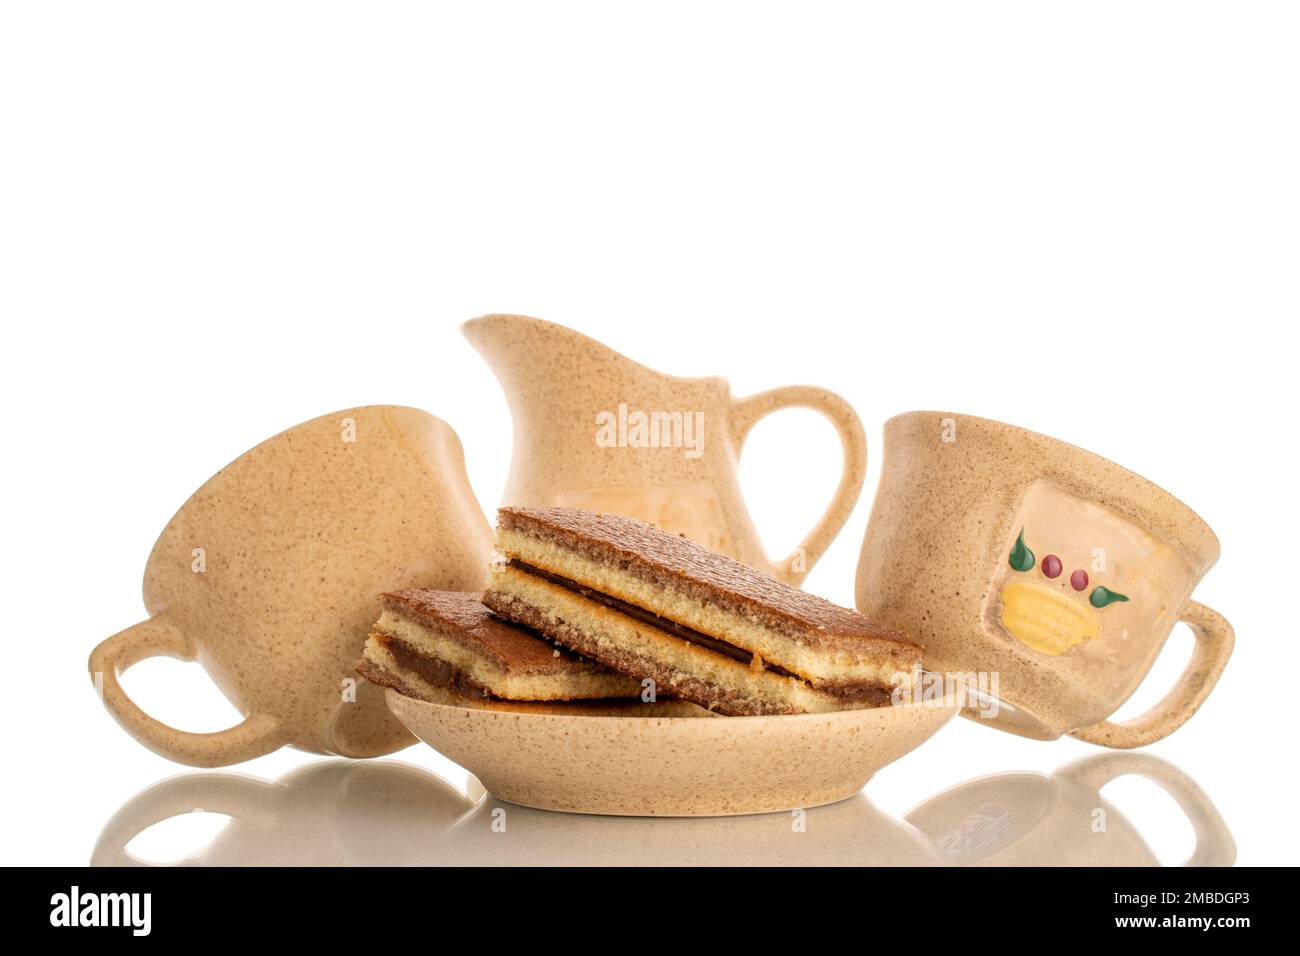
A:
x: 1033, y: 819
x: 383, y: 812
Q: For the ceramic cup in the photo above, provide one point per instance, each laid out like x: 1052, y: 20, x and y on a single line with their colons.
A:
x: 596, y: 430
x: 268, y: 577
x: 1048, y: 574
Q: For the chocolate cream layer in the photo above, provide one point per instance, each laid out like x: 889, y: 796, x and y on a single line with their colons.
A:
x: 437, y: 672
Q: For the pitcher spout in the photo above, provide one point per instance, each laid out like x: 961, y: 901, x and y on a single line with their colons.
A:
x: 533, y: 359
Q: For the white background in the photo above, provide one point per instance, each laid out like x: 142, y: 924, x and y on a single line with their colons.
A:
x: 219, y: 220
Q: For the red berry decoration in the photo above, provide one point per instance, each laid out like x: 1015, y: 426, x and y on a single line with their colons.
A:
x: 1052, y: 566
x: 1079, y: 579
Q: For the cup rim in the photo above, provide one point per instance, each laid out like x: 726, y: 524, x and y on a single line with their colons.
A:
x: 1202, y: 526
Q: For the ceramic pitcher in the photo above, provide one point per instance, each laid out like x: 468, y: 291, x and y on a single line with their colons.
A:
x: 596, y: 430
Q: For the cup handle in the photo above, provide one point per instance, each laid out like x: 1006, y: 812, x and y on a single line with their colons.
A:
x: 1214, y: 640
x: 1214, y: 843
x: 746, y: 414
x: 246, y: 799
x: 160, y: 637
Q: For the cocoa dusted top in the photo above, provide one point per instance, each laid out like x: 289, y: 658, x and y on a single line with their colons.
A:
x: 461, y: 617
x: 665, y: 558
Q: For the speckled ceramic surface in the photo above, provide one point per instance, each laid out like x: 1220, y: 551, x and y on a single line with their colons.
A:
x: 1043, y: 567
x: 1031, y: 819
x: 595, y: 430
x: 269, y: 576
x: 651, y: 766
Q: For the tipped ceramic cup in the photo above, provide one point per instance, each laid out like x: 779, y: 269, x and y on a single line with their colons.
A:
x: 1041, y: 574
x: 268, y: 577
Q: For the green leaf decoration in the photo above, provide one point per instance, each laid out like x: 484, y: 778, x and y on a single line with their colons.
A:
x: 1101, y: 596
x: 1022, y: 559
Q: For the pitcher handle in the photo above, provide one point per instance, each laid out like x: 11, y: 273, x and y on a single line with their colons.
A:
x: 853, y: 439
x: 160, y: 637
x: 1214, y: 640
x: 1214, y: 843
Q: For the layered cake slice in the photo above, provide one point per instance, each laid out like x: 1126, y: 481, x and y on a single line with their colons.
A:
x: 701, y: 626
x: 445, y: 647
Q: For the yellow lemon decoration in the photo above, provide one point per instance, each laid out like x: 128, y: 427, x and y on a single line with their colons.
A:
x: 1045, y: 619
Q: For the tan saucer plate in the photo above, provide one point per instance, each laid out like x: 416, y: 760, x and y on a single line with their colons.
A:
x: 670, y: 766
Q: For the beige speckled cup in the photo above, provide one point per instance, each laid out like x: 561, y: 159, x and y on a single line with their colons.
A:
x: 596, y: 430
x: 268, y: 577
x: 1059, y: 573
